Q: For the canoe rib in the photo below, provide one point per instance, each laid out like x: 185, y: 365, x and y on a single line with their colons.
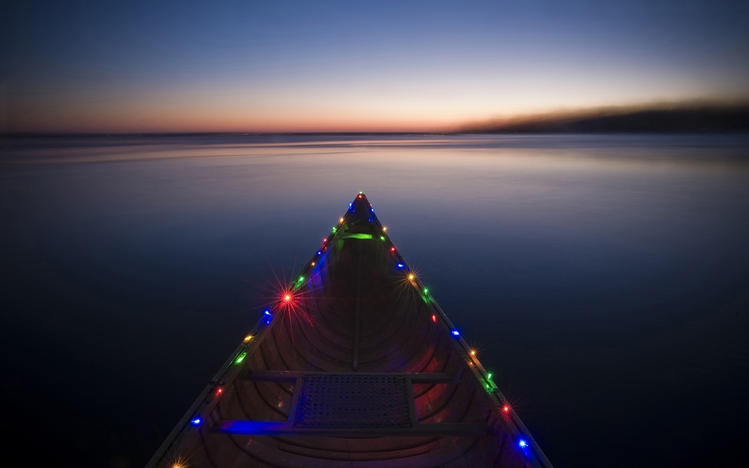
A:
x: 358, y: 368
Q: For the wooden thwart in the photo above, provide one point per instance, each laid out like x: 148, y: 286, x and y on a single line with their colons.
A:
x: 291, y: 426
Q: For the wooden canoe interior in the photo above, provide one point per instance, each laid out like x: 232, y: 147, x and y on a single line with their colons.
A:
x: 358, y: 368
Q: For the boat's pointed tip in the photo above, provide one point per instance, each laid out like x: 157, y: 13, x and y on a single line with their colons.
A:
x: 360, y: 197
x: 362, y: 207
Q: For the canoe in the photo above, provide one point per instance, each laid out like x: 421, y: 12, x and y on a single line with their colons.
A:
x: 355, y: 365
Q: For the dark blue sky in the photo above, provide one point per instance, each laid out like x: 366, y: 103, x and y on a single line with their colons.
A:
x: 305, y: 66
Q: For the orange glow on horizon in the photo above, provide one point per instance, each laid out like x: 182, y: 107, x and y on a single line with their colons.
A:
x: 176, y: 114
x: 165, y: 116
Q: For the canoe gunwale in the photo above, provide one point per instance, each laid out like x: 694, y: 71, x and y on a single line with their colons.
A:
x: 352, y: 228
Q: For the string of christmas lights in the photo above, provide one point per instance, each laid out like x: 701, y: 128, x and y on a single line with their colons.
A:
x: 215, y: 389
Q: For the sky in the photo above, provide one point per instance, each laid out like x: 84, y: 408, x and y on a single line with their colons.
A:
x: 332, y: 66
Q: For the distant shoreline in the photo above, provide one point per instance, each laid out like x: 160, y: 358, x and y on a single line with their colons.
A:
x: 507, y: 132
x: 682, y: 120
x: 702, y: 119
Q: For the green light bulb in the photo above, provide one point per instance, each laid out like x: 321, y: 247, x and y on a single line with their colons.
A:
x: 240, y: 357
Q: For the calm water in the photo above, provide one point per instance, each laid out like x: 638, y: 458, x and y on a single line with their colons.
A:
x: 604, y: 279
